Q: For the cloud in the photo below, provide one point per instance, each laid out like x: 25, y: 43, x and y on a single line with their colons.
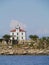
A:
x: 15, y: 23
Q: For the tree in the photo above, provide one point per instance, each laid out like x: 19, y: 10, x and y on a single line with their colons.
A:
x: 44, y: 42
x: 44, y: 38
x: 34, y: 37
x: 31, y: 36
x: 6, y: 37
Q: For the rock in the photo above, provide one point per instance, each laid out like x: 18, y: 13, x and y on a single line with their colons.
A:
x: 24, y: 52
x: 10, y: 47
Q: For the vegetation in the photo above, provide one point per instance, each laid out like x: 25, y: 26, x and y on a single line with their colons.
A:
x: 35, y: 42
x: 6, y: 37
x: 39, y: 43
x: 1, y: 40
x: 33, y: 37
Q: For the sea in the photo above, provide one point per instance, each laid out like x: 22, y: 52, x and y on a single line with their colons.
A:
x: 24, y: 60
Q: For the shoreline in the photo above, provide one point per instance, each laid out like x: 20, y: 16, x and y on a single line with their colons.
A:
x: 24, y: 52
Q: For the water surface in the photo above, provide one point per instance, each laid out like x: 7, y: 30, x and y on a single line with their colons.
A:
x: 24, y: 60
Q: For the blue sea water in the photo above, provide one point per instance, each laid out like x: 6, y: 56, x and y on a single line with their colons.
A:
x: 24, y: 60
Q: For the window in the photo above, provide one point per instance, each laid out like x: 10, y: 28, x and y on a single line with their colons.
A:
x: 22, y: 37
x: 17, y: 33
x: 12, y: 33
x: 22, y: 33
x: 17, y: 38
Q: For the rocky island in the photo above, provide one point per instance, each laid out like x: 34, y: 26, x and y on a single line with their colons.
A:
x: 22, y: 50
x: 34, y: 46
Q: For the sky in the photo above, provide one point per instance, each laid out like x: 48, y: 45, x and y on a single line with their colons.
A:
x: 33, y: 15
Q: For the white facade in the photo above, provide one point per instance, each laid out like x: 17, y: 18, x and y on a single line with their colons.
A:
x: 18, y: 34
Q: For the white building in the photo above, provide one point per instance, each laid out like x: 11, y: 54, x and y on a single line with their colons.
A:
x: 18, y: 34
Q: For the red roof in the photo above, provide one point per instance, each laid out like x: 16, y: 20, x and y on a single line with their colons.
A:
x: 14, y: 30
x: 20, y: 30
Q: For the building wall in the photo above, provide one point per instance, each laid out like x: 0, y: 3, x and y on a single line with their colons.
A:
x: 18, y: 35
x: 11, y: 33
x: 22, y: 36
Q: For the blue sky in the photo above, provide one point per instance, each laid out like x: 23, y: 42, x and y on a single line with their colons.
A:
x: 34, y: 14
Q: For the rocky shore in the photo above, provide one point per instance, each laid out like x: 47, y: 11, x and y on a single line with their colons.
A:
x: 22, y: 51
